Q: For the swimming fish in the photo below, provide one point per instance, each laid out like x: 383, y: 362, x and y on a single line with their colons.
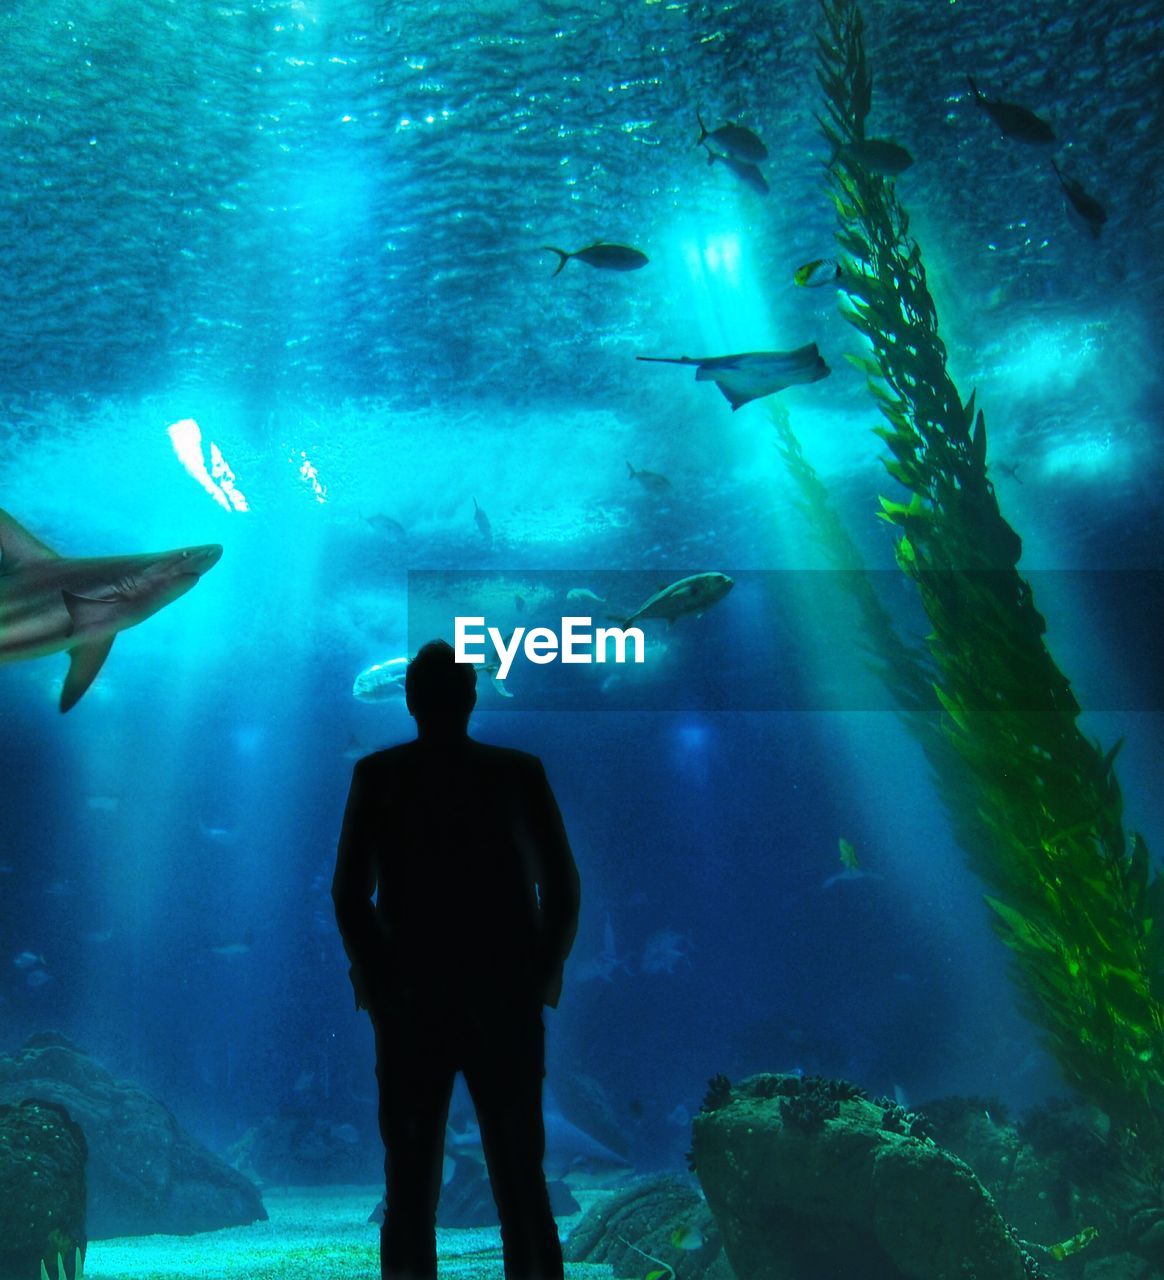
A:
x: 693, y: 594
x: 687, y: 1237
x: 1014, y: 121
x: 848, y: 855
x: 386, y: 525
x: 239, y: 948
x: 817, y: 272
x: 483, y: 525
x: 650, y: 480
x: 1083, y: 210
x: 50, y: 603
x: 381, y: 682
x: 584, y: 593
x: 609, y: 257
x: 27, y: 960
x: 1009, y: 469
x: 747, y: 172
x: 877, y: 155
x: 753, y: 374
x: 734, y: 139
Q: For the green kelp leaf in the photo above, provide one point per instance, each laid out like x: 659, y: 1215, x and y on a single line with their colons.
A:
x: 978, y: 442
x: 1138, y: 868
x: 903, y: 473
x: 901, y: 513
x: 869, y: 367
x: 1126, y: 992
x: 950, y: 705
x: 902, y: 444
x: 1024, y: 931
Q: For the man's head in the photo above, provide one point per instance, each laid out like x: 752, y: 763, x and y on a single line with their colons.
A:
x: 440, y: 691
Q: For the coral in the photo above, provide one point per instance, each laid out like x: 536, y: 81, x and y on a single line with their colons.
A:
x: 719, y: 1093
x: 896, y: 1119
x: 1038, y: 809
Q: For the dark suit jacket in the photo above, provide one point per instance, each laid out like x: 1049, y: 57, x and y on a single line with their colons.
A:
x: 476, y: 889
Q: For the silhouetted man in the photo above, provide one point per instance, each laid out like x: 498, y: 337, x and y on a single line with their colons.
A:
x: 476, y: 910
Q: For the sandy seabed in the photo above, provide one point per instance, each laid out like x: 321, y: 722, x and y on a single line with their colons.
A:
x: 312, y: 1233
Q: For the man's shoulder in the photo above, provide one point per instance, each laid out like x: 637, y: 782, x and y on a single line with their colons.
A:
x: 385, y: 759
x: 507, y: 757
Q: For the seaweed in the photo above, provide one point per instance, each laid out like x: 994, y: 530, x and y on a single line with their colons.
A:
x: 1038, y: 807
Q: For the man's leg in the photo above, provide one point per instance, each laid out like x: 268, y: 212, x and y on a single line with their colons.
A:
x: 504, y: 1074
x: 415, y: 1088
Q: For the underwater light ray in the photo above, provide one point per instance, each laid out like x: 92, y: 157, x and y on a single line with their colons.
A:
x: 186, y: 437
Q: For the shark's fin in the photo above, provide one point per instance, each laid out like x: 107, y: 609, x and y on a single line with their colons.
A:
x: 739, y: 398
x: 84, y: 663
x: 18, y: 546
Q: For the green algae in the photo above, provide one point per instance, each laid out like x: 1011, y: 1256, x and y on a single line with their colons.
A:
x: 1038, y: 808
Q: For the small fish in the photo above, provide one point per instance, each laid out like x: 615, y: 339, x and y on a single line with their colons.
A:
x: 842, y: 876
x: 652, y: 481
x: 103, y: 804
x: 584, y: 593
x: 848, y: 855
x: 734, y: 139
x: 38, y: 977
x: 98, y: 936
x: 753, y: 374
x: 519, y: 602
x: 27, y: 960
x: 747, y: 172
x: 220, y: 835
x: 877, y: 155
x: 239, y: 948
x: 818, y: 272
x: 687, y: 1238
x: 1014, y: 121
x: 1008, y: 469
x: 608, y: 257
x: 387, y: 526
x: 663, y: 952
x: 355, y: 750
x: 483, y: 525
x: 1083, y: 210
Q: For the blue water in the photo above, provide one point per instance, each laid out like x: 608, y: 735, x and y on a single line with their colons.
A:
x: 313, y: 228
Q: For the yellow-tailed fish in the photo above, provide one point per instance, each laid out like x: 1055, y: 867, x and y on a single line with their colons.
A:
x: 817, y: 272
x: 687, y: 1238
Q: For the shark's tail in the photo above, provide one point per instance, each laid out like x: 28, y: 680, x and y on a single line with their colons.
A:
x: 668, y: 359
x: 702, y: 130
x: 630, y: 471
x: 561, y: 254
x: 978, y: 94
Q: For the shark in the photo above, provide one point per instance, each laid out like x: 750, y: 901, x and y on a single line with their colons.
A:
x: 753, y: 374
x: 51, y: 603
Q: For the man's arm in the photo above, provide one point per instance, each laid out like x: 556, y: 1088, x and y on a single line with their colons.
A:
x: 352, y: 887
x: 559, y: 886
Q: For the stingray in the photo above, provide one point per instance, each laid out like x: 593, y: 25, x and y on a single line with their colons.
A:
x: 753, y: 374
